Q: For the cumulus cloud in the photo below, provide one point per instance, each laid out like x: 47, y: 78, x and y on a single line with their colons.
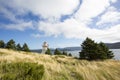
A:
x: 76, y: 26
x: 18, y: 26
x: 50, y: 10
x: 44, y: 8
x: 90, y: 9
x: 110, y: 16
x: 80, y: 31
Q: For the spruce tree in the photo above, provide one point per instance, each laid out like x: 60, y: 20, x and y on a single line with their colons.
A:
x: 106, y: 53
x: 48, y: 52
x: 18, y: 47
x: 57, y: 52
x: 89, y: 49
x: 2, y: 44
x: 11, y: 44
x: 94, y: 51
x: 25, y: 47
x: 64, y: 53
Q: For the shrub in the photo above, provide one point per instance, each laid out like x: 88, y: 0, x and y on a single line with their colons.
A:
x: 21, y: 71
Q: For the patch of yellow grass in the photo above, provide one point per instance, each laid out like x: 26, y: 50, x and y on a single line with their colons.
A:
x: 66, y: 68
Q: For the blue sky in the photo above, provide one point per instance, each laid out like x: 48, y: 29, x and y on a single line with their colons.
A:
x: 62, y: 23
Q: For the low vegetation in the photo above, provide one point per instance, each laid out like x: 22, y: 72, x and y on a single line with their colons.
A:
x: 19, y: 64
x: 21, y: 71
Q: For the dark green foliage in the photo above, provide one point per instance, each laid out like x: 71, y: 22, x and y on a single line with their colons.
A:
x: 104, y: 49
x: 2, y: 44
x: 69, y: 54
x: 48, y: 52
x: 57, y: 52
x: 11, y: 44
x: 94, y: 51
x: 18, y: 47
x: 64, y: 53
x: 21, y: 71
x: 25, y: 47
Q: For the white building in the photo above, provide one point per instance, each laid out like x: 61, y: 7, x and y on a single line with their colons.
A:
x: 44, y: 47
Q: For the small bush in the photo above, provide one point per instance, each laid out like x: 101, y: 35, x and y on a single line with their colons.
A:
x: 21, y: 71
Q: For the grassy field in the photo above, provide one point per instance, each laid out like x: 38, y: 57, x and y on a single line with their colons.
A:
x: 60, y: 67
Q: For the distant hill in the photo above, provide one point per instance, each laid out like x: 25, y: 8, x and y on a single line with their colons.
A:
x: 37, y: 50
x: 113, y: 45
x: 61, y: 49
x: 69, y: 48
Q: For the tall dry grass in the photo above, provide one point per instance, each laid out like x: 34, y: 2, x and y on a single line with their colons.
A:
x: 66, y: 68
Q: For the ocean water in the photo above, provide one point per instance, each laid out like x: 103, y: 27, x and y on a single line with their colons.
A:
x: 115, y: 51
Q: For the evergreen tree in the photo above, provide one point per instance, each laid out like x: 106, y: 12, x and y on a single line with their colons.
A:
x: 93, y: 51
x: 18, y: 47
x: 48, y: 52
x: 2, y: 44
x: 106, y: 54
x: 69, y: 54
x: 57, y: 52
x: 64, y: 53
x: 89, y: 49
x: 25, y: 47
x: 11, y: 44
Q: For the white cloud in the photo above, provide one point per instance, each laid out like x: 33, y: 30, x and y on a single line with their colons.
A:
x: 19, y: 26
x: 76, y: 26
x: 7, y: 14
x: 91, y: 9
x: 110, y: 16
x: 51, y: 10
x: 73, y: 29
x: 113, y: 1
x: 45, y: 8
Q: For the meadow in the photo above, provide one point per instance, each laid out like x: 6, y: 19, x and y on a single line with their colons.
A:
x: 54, y: 67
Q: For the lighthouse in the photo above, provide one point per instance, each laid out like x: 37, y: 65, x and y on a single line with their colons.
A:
x: 44, y: 47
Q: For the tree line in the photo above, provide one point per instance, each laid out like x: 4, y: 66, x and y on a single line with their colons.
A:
x: 91, y: 50
x: 12, y: 45
x: 57, y: 52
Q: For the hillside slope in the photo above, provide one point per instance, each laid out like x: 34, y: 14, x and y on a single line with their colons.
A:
x: 113, y: 45
x: 65, y: 68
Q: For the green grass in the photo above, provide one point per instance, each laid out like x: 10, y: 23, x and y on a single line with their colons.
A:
x: 21, y: 71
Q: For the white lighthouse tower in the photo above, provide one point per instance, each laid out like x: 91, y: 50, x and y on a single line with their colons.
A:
x: 44, y: 47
